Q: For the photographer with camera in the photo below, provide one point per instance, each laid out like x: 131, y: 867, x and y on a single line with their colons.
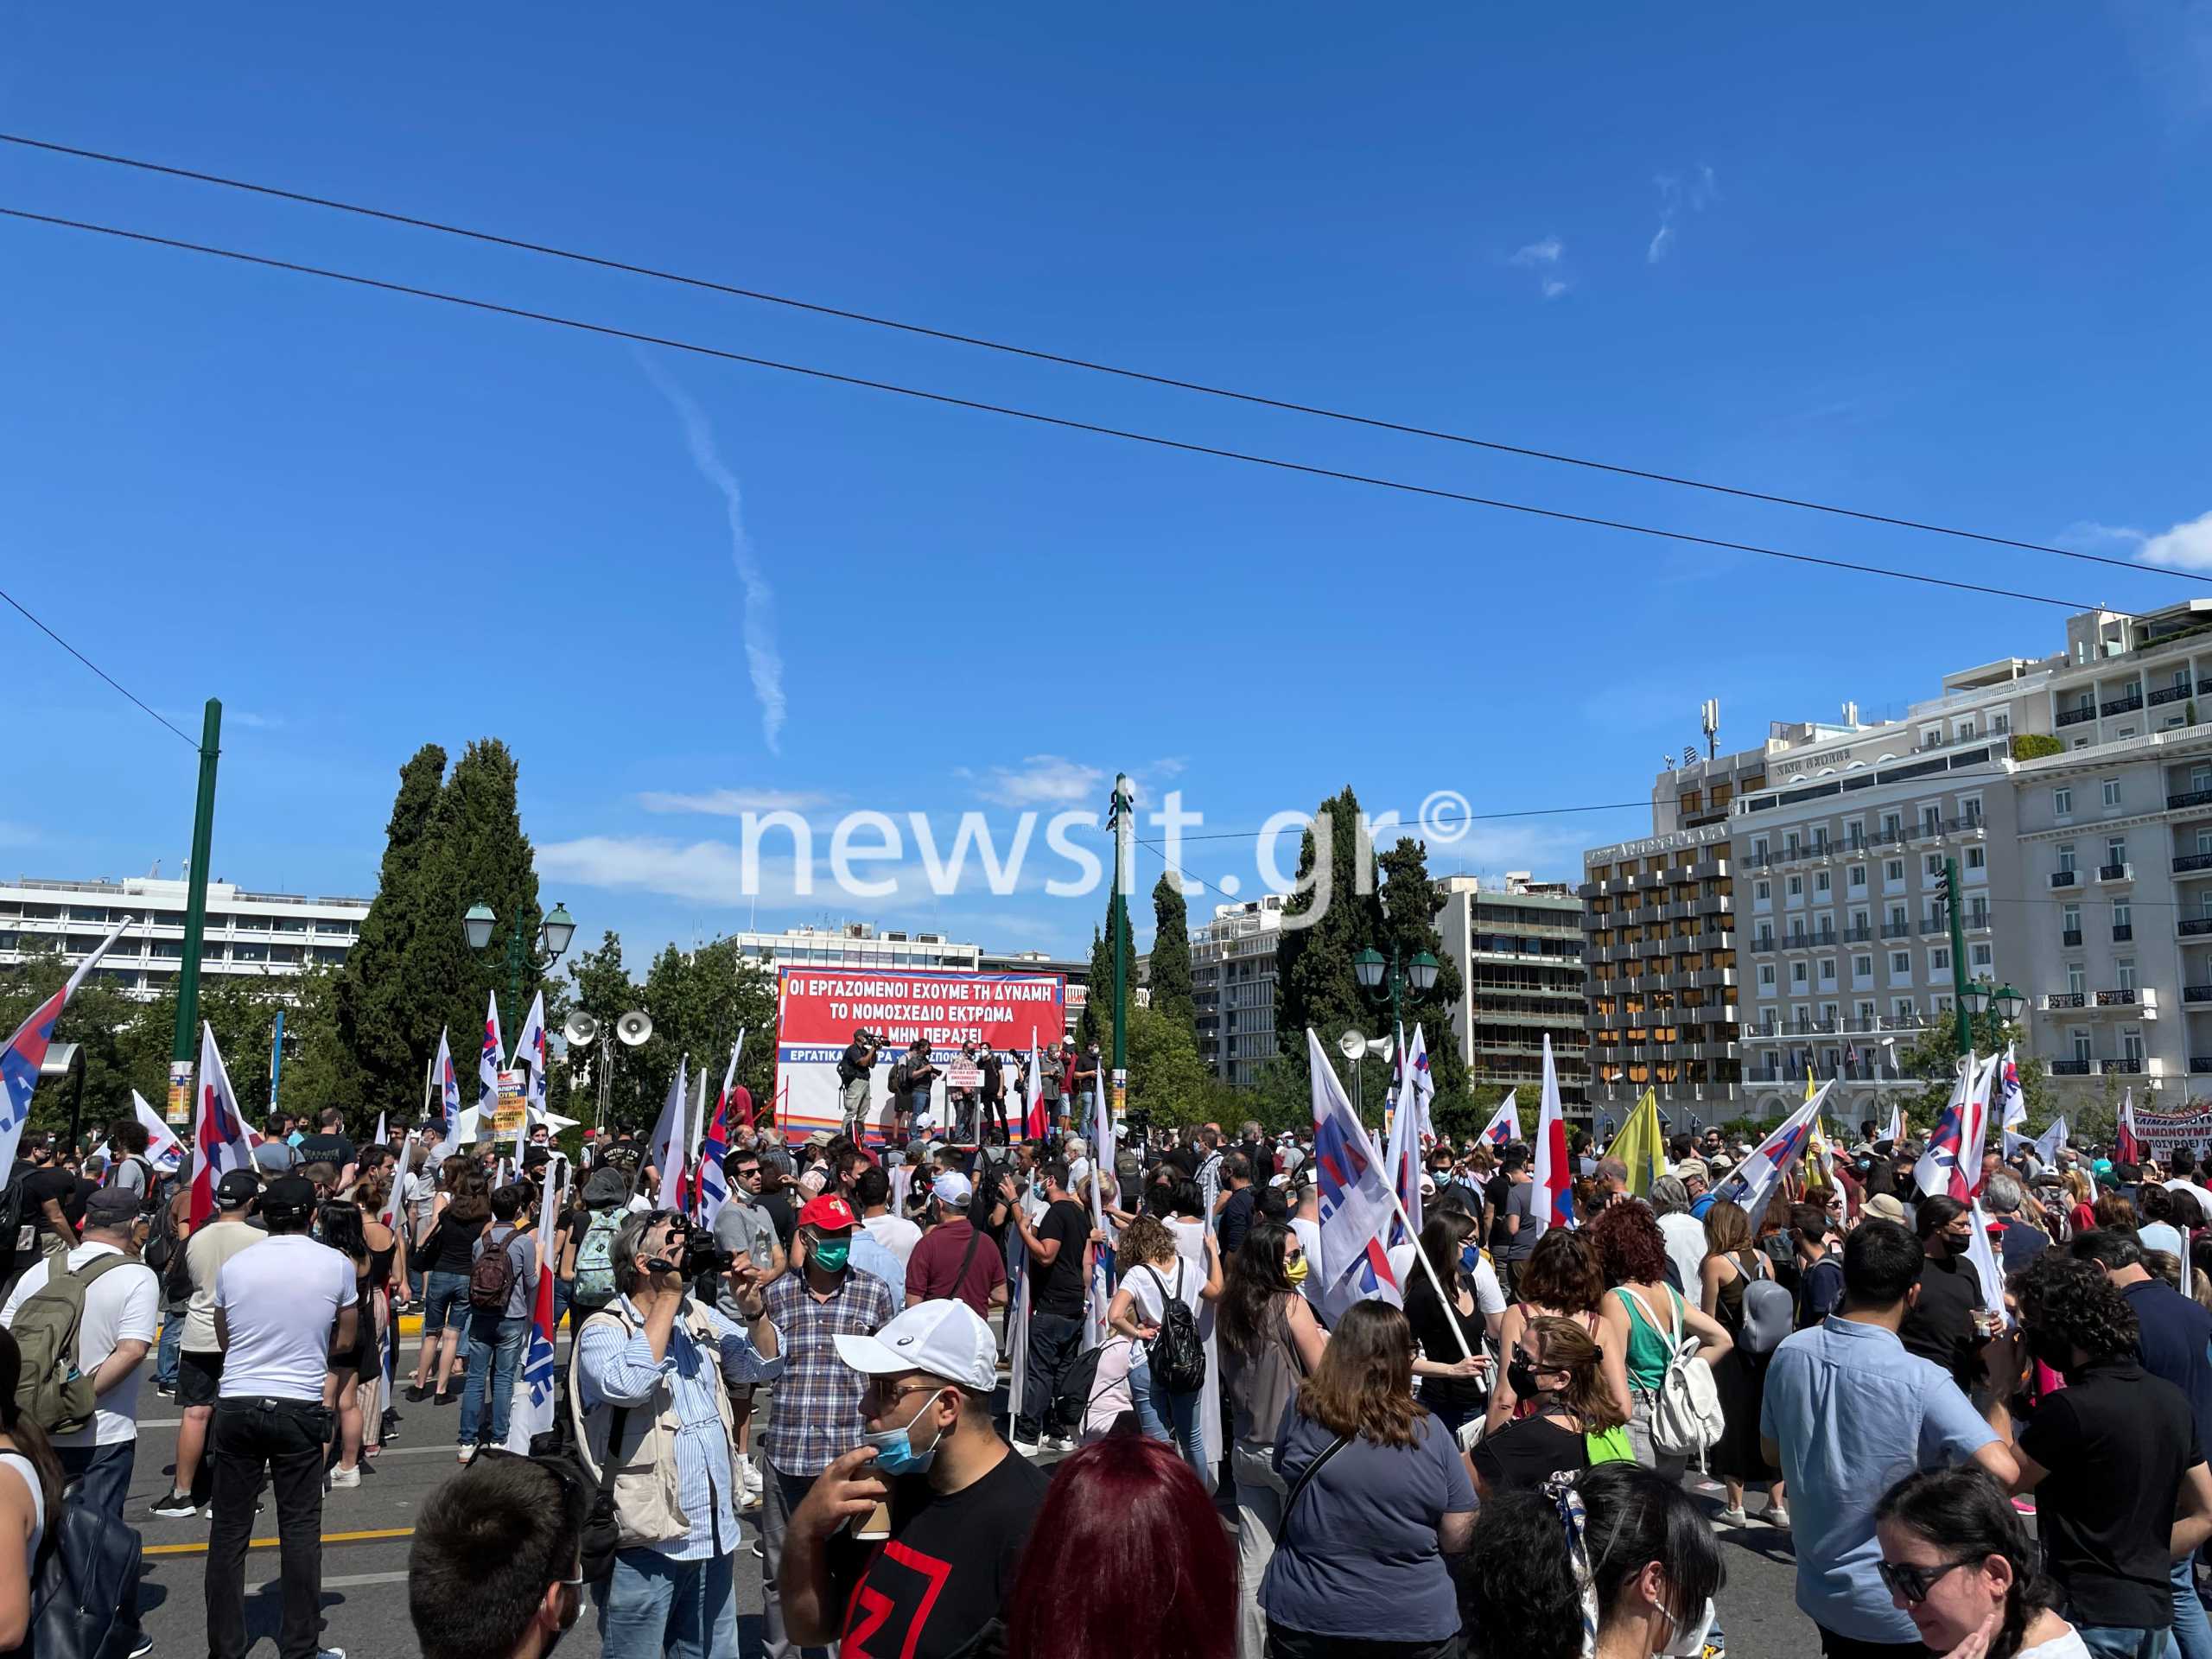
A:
x: 647, y: 1388
x: 910, y: 1089
x: 853, y: 1066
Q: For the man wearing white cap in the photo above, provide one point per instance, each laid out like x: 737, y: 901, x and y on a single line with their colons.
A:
x: 954, y: 1258
x: 925, y: 1579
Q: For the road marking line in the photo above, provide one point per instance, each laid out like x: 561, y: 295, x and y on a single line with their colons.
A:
x: 200, y: 1548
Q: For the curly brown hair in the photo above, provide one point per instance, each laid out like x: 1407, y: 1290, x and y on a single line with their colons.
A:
x: 1630, y: 1245
x: 1144, y: 1239
x: 2113, y: 1212
x: 2070, y: 1304
x: 1562, y: 1272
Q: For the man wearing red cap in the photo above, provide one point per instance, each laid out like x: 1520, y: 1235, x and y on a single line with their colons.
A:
x: 814, y: 1415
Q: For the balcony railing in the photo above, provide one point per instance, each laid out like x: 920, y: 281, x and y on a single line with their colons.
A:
x: 1896, y: 930
x: 2200, y: 1063
x: 2121, y: 998
x: 2188, y: 798
x: 2168, y: 694
x: 2075, y: 716
x: 2115, y: 872
x: 2196, y: 927
x: 1857, y: 935
x: 2122, y: 931
x: 2070, y: 1068
x: 2064, y: 878
x: 1762, y: 943
x: 2123, y: 705
x: 2124, y: 1066
x: 1934, y: 925
x: 2186, y: 862
x: 2065, y: 1000
x: 2196, y: 993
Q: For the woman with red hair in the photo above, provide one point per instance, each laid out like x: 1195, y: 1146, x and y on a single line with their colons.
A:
x: 1647, y: 1319
x: 1128, y: 1557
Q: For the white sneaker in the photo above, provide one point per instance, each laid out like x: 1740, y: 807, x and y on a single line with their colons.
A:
x: 330, y: 1653
x: 1732, y: 1518
x: 342, y: 1475
x: 1027, y: 1448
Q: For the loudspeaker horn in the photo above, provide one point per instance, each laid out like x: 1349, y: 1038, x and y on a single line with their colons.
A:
x: 634, y: 1026
x: 580, y: 1029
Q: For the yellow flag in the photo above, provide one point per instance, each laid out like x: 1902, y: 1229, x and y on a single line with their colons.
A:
x: 1641, y: 1144
x: 1820, y: 1159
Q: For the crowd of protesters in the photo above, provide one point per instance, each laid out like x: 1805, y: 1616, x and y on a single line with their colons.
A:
x: 1996, y: 1450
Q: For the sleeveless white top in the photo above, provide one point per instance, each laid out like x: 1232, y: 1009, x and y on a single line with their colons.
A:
x: 28, y: 1473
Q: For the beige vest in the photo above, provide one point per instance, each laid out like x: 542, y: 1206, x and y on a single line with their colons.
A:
x: 646, y: 1506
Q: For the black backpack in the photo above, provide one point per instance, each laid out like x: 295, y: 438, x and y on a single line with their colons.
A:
x: 87, y: 1565
x: 1178, y: 1358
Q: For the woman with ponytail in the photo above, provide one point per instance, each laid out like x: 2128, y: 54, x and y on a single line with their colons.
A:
x: 31, y: 1491
x: 1616, y: 1563
x: 1957, y: 1561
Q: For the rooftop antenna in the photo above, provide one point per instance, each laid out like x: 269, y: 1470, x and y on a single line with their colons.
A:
x: 1709, y: 710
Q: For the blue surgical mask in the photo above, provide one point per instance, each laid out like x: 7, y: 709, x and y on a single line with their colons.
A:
x: 1470, y: 1254
x: 894, y: 1448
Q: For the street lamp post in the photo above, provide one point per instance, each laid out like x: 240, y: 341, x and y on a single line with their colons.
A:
x: 1376, y: 974
x: 1980, y: 998
x: 553, y: 936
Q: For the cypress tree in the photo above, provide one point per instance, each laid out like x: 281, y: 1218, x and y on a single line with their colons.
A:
x: 1171, y: 957
x: 382, y: 1002
x: 1323, y: 925
x: 1413, y: 900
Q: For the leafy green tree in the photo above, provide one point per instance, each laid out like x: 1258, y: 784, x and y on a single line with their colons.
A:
x: 386, y: 997
x: 1933, y: 1058
x: 1325, y: 923
x: 1167, y: 1079
x: 1096, y: 1023
x: 698, y: 1001
x: 1171, y: 955
x: 1412, y: 901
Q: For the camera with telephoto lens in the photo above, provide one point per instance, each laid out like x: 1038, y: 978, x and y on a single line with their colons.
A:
x: 703, y: 1254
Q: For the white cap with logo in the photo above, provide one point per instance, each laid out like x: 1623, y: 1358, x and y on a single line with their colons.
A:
x: 945, y: 1339
x: 953, y: 1187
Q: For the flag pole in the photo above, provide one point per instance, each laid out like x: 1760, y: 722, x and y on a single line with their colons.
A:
x: 1419, y: 1254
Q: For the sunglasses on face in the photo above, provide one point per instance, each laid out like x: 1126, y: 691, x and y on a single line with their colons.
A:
x: 1912, y: 1584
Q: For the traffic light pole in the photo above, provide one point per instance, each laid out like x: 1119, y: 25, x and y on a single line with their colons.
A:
x: 185, y: 1049
x: 1958, y: 957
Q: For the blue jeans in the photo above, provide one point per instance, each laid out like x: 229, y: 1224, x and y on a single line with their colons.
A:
x: 651, y: 1607
x: 2192, y: 1633
x: 165, y: 1352
x: 494, y: 1354
x: 2119, y: 1641
x: 445, y: 1300
x: 1170, y: 1418
x: 102, y: 1474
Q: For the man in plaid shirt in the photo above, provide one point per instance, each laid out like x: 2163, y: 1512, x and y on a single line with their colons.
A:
x: 814, y: 1415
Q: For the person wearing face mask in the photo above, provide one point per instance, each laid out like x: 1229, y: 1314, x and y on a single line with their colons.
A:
x: 1451, y: 1375
x: 814, y: 1414
x: 495, y: 1570
x: 1943, y: 1324
x: 2122, y: 1489
x: 1617, y: 1563
x: 908, y: 1543
x: 1557, y: 1365
x: 1961, y: 1565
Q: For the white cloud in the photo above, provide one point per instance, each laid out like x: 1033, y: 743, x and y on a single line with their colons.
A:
x: 705, y: 871
x: 1042, y: 780
x: 2186, y: 546
x: 2090, y: 532
x: 1546, y: 252
x: 762, y: 656
x: 1546, y: 258
x: 1674, y: 197
x: 1554, y: 287
x: 732, y: 803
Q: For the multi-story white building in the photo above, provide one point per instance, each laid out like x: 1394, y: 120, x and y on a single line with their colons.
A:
x: 1233, y: 986
x: 2074, y: 792
x: 1518, y: 947
x: 856, y: 945
x: 263, y: 934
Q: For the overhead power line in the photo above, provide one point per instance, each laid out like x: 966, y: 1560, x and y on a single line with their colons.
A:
x: 27, y: 616
x: 1066, y: 360
x: 1430, y: 492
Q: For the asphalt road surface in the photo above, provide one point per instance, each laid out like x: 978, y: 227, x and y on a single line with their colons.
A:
x: 366, y: 1534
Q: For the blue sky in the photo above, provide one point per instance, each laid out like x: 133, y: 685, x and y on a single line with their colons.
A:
x: 1912, y: 261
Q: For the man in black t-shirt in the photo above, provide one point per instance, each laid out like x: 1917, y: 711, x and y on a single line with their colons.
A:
x: 49, y: 1193
x: 1236, y: 1207
x: 776, y: 1190
x: 961, y: 1504
x: 332, y: 1146
x: 2122, y: 1487
x: 1055, y: 1241
x: 1939, y: 1325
